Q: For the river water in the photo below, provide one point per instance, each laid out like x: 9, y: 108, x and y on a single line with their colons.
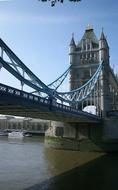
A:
x: 27, y: 165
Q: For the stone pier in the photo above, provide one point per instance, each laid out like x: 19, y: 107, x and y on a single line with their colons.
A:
x: 73, y: 136
x: 84, y: 136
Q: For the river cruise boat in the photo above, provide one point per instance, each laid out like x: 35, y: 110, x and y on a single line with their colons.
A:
x: 16, y: 134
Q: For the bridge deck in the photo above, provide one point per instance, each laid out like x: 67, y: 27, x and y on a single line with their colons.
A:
x: 21, y: 103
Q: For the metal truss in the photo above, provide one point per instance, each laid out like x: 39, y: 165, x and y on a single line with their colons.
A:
x: 82, y: 93
x: 57, y: 83
x: 17, y: 68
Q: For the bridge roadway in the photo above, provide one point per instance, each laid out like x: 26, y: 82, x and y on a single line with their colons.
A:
x: 20, y: 103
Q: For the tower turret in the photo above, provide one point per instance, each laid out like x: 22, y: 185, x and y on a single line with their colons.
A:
x: 72, y: 48
x: 104, y: 78
x: 103, y: 49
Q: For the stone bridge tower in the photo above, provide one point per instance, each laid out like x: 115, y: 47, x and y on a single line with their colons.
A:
x: 85, y: 58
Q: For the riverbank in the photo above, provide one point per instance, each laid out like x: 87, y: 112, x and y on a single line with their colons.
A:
x: 98, y: 174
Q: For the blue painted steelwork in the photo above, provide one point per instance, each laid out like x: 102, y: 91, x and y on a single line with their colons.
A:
x: 57, y: 83
x: 15, y: 65
x: 36, y: 101
x: 82, y: 93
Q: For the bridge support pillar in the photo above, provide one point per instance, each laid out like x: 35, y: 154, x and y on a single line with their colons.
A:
x: 61, y: 135
x: 111, y: 129
x: 73, y: 136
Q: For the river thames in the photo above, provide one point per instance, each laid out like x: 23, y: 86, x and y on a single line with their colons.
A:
x: 28, y: 165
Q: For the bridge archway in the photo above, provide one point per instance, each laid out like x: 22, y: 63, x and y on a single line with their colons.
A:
x: 90, y: 109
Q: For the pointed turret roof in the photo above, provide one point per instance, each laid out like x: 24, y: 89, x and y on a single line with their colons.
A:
x: 102, y: 36
x: 72, y: 42
x: 89, y: 34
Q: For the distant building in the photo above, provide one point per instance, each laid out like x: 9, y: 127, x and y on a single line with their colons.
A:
x: 12, y: 123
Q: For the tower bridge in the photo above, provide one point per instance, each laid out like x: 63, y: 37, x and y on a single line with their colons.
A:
x: 93, y: 84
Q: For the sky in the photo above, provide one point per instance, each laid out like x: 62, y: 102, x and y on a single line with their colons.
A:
x: 40, y: 34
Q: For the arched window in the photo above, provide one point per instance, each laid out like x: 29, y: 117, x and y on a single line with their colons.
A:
x: 88, y: 46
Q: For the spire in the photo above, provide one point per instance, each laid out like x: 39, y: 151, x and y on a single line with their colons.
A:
x: 89, y: 27
x: 102, y: 36
x: 90, y: 36
x: 72, y: 42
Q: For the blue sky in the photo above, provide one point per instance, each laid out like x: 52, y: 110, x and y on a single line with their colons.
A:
x: 40, y: 34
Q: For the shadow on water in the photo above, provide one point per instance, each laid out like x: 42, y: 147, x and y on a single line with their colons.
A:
x: 98, y: 174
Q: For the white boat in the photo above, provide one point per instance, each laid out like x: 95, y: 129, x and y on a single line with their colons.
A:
x: 16, y: 134
x: 28, y: 135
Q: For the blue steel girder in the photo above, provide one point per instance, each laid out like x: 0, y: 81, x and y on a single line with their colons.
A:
x: 14, y: 67
x: 81, y: 93
x: 16, y: 102
x: 57, y: 83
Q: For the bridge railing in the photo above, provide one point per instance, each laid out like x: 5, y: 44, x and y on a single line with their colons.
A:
x: 52, y: 106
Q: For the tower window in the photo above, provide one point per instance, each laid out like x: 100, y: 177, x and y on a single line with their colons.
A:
x: 88, y: 46
x: 88, y: 55
x: 84, y: 47
x: 92, y: 54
